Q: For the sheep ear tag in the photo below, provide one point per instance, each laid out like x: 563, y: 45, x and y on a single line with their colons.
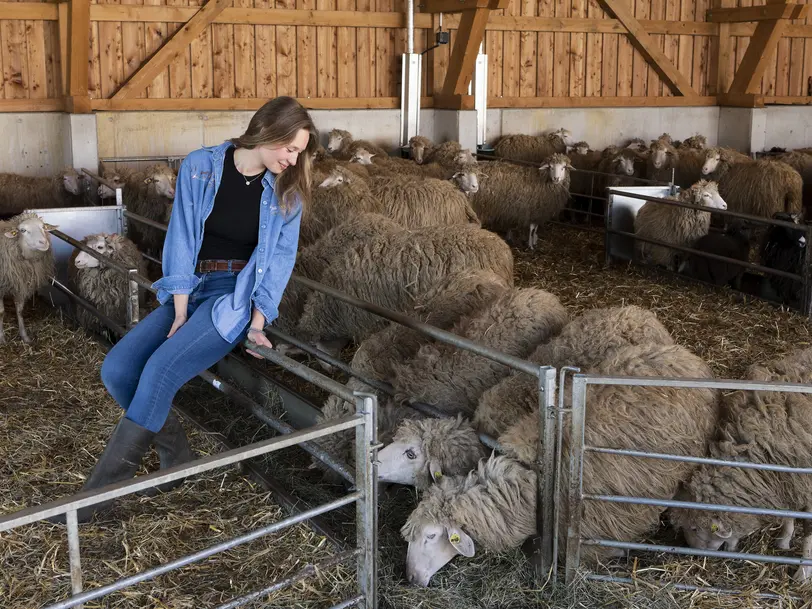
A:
x: 11, y: 234
x: 720, y: 530
x: 461, y: 542
x: 435, y: 471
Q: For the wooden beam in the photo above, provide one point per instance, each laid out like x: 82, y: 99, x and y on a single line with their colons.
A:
x: 32, y: 105
x: 671, y: 77
x: 173, y: 47
x: 248, y: 103
x: 760, y: 50
x: 64, y: 21
x: 801, y: 100
x: 78, y: 55
x: 599, y: 102
x: 470, y: 35
x: 742, y: 100
x: 455, y: 6
x: 724, y: 48
x: 757, y: 13
x: 35, y: 11
x: 454, y: 102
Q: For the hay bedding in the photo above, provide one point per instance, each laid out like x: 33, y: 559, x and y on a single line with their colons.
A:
x: 55, y: 417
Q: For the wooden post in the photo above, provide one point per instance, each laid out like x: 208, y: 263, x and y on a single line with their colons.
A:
x: 78, y: 100
x: 63, y: 47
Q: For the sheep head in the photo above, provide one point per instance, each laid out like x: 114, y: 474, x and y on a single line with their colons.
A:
x: 623, y: 162
x: 98, y: 243
x: 561, y: 135
x: 665, y: 137
x: 105, y: 192
x: 556, y: 167
x: 464, y: 157
x: 72, y: 181
x: 661, y: 153
x: 636, y: 143
x: 713, y: 159
x: 580, y: 148
x: 788, y: 237
x: 704, y: 193
x: 697, y: 142
x: 467, y: 181
x: 30, y: 233
x: 337, y: 177
x: 418, y: 145
x: 362, y: 156
x: 337, y: 138
x: 161, y: 180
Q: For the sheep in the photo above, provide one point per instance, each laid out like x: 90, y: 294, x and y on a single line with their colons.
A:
x: 389, y: 270
x: 448, y: 154
x: 636, y: 143
x: 18, y: 193
x: 623, y: 166
x: 733, y: 243
x: 758, y: 187
x: 512, y: 196
x: 422, y: 203
x: 583, y: 342
x: 784, y: 249
x: 26, y: 263
x: 686, y: 164
x: 452, y: 380
x: 676, y: 421
x: 419, y: 146
x: 103, y: 286
x: 695, y: 142
x: 388, y: 166
x: 323, y: 168
x: 335, y: 199
x: 802, y: 163
x: 677, y: 225
x: 341, y: 145
x: 422, y: 451
x: 520, y: 147
x: 759, y: 427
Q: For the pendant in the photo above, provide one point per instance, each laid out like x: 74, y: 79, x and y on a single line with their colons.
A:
x: 247, y: 183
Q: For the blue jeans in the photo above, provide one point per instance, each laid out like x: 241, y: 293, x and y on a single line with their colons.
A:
x: 145, y: 369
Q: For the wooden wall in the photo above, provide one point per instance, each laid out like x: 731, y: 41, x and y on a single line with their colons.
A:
x: 549, y: 49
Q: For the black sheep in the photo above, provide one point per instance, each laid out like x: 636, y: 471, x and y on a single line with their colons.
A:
x: 784, y: 249
x: 733, y: 243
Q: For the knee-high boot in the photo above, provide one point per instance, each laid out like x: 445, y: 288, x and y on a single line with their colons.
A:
x: 173, y: 449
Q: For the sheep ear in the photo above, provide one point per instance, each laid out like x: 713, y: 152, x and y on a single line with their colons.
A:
x: 435, y: 471
x: 720, y: 530
x: 11, y: 234
x: 545, y: 166
x: 50, y: 227
x: 461, y: 542
x: 147, y: 180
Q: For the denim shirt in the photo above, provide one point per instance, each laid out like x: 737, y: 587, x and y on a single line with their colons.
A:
x: 263, y: 280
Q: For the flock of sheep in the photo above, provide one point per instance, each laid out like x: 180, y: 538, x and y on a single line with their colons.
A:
x: 421, y: 236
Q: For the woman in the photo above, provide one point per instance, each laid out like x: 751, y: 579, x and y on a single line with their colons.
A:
x: 228, y: 255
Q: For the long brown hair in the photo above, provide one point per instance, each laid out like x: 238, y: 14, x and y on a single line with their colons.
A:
x: 276, y: 123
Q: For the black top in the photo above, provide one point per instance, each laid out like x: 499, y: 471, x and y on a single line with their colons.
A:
x: 231, y: 231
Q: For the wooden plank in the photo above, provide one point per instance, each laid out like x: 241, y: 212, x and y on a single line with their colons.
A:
x: 265, y: 42
x: 53, y: 60
x: 639, y: 62
x: 546, y: 57
x: 796, y: 68
x: 625, y: 64
x: 34, y: 11
x: 493, y: 47
x: 94, y: 73
x: 655, y: 85
x: 463, y: 56
x: 741, y: 100
x: 511, y: 59
x: 384, y: 85
x: 286, y: 69
x: 594, y: 55
x: 180, y: 69
x: 15, y: 59
x: 37, y: 59
x: 577, y: 48
x: 781, y: 73
x: 348, y: 55
x: 807, y: 74
x: 527, y: 53
x: 676, y: 81
x: 63, y: 45
x: 202, y: 69
x: 455, y: 6
x: 455, y: 102
x: 190, y: 30
x: 699, y: 69
x: 685, y: 58
x: 766, y: 12
x: 326, y: 54
x: 32, y: 105
x: 759, y: 52
x: 242, y: 103
x: 599, y: 102
x: 610, y: 64
x: 561, y: 63
x: 245, y: 74
x: 306, y: 59
x: 793, y: 100
x: 222, y: 46
x: 366, y: 62
x: 79, y: 32
x: 132, y: 46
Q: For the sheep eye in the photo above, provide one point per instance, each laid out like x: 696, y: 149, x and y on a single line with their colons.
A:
x: 410, y: 454
x: 23, y: 230
x: 432, y: 536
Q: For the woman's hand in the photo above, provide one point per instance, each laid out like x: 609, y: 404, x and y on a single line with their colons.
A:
x: 257, y: 336
x: 179, y: 321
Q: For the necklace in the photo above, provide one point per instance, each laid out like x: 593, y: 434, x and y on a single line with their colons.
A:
x: 247, y: 181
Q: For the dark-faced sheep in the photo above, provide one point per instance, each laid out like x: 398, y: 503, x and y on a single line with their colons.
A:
x: 758, y: 187
x: 18, y: 192
x: 341, y: 145
x: 26, y: 263
x: 583, y: 343
x: 759, y: 427
x: 391, y: 270
x: 533, y: 148
x: 734, y: 243
x: 622, y: 167
x: 785, y: 249
x: 451, y: 379
x: 680, y: 226
x: 512, y: 197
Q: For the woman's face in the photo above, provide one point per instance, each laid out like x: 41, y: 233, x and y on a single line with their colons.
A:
x: 277, y: 158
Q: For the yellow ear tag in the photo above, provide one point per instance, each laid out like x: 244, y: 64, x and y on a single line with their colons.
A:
x: 438, y: 475
x: 714, y: 528
x: 454, y: 538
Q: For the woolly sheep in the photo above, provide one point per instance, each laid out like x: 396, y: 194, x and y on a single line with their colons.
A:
x: 493, y: 506
x: 695, y: 142
x: 583, y: 343
x: 759, y: 427
x: 422, y: 451
x: 622, y: 165
x: 758, y: 187
x: 520, y: 147
x: 452, y: 379
x: 784, y: 249
x: 26, y: 263
x: 448, y: 154
x: 323, y: 168
x: 103, y: 286
x: 389, y: 270
x: 422, y: 203
x: 18, y: 192
x: 677, y: 225
x: 419, y: 145
x: 669, y: 420
x: 514, y: 196
x: 802, y: 163
x: 686, y: 164
x: 389, y: 166
x: 733, y: 243
x: 636, y: 143
x: 341, y: 145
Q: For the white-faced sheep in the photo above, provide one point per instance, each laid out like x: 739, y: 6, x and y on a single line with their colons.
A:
x: 665, y: 162
x: 677, y: 225
x: 514, y: 197
x: 446, y: 154
x: 391, y: 270
x: 452, y: 379
x: 758, y: 187
x: 734, y: 243
x: 103, y: 286
x: 637, y: 144
x: 695, y: 142
x: 759, y: 427
x: 18, y: 192
x: 421, y: 203
x: 676, y: 421
x: 583, y: 343
x: 533, y: 148
x: 785, y: 249
x: 341, y: 145
x: 623, y: 166
x: 425, y: 450
x: 26, y: 263
x: 388, y: 166
x: 323, y: 168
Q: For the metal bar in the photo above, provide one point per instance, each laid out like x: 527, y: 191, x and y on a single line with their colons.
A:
x: 256, y: 410
x: 350, y: 602
x: 431, y: 331
x: 546, y: 467
x: 146, y: 256
x: 133, y: 159
x: 576, y: 489
x: 302, y: 371
x: 366, y: 472
x: 660, y: 381
x: 145, y: 220
x: 712, y: 507
x: 559, y: 466
x: 689, y: 588
x: 704, y: 460
x: 304, y: 573
x: 410, y: 26
x: 776, y: 560
x: 202, y: 554
x: 109, y: 183
x: 74, y: 554
x: 87, y: 305
x: 127, y: 487
x: 133, y: 313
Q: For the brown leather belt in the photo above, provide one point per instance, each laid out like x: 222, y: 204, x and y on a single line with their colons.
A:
x: 210, y: 266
